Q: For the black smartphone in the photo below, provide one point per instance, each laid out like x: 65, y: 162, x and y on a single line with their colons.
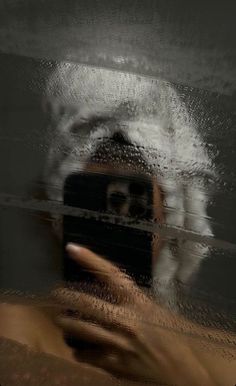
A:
x: 123, y: 195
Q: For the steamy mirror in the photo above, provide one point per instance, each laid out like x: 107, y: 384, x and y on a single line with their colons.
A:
x: 116, y: 228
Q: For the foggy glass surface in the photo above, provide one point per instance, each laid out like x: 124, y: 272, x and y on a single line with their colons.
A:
x: 58, y: 101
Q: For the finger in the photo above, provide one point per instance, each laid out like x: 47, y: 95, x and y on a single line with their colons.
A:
x: 104, y: 270
x: 104, y: 359
x: 93, y: 333
x: 86, y: 305
x: 97, y: 310
x: 118, y: 363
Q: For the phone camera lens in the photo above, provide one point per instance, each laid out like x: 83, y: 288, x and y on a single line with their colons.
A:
x: 117, y: 199
x: 137, y: 210
x: 136, y: 189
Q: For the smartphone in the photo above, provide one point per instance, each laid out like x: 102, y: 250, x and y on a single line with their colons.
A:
x: 123, y: 195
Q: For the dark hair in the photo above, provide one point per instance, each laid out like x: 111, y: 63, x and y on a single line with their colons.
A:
x: 117, y: 151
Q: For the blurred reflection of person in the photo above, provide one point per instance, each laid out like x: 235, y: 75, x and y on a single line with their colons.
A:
x: 133, y: 337
x: 90, y: 105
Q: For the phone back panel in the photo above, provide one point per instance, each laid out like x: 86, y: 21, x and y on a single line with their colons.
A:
x: 129, y: 248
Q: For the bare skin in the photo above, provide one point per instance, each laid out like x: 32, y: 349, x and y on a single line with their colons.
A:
x: 135, y: 337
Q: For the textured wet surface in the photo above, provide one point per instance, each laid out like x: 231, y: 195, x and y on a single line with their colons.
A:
x: 168, y: 55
